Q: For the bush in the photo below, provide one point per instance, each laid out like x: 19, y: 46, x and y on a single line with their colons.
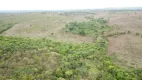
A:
x: 5, y: 27
x: 52, y: 34
x: 129, y: 32
x: 82, y: 33
x: 137, y: 34
x: 116, y: 33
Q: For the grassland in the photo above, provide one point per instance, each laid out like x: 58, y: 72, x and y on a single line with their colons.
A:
x: 69, y: 46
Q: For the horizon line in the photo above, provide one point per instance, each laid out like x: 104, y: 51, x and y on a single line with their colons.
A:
x: 70, y: 9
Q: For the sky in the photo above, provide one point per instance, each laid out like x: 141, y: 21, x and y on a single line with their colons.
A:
x: 66, y: 4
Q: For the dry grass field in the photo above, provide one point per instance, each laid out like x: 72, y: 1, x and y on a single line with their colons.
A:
x: 127, y: 47
x: 48, y: 25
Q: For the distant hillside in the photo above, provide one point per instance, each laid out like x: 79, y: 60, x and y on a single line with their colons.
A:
x: 115, y: 8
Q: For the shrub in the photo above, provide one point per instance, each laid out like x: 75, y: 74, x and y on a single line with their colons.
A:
x: 82, y: 33
x: 129, y: 32
x: 137, y: 34
x: 71, y: 28
x: 52, y: 34
x: 5, y: 27
x: 116, y: 33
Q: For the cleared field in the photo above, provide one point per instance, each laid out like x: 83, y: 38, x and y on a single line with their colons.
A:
x: 125, y: 41
x: 126, y: 47
x: 47, y: 25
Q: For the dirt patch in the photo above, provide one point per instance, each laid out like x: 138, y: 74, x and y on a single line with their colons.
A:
x: 130, y: 21
x: 128, y: 49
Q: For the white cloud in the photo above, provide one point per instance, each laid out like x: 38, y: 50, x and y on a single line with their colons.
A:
x: 65, y: 4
